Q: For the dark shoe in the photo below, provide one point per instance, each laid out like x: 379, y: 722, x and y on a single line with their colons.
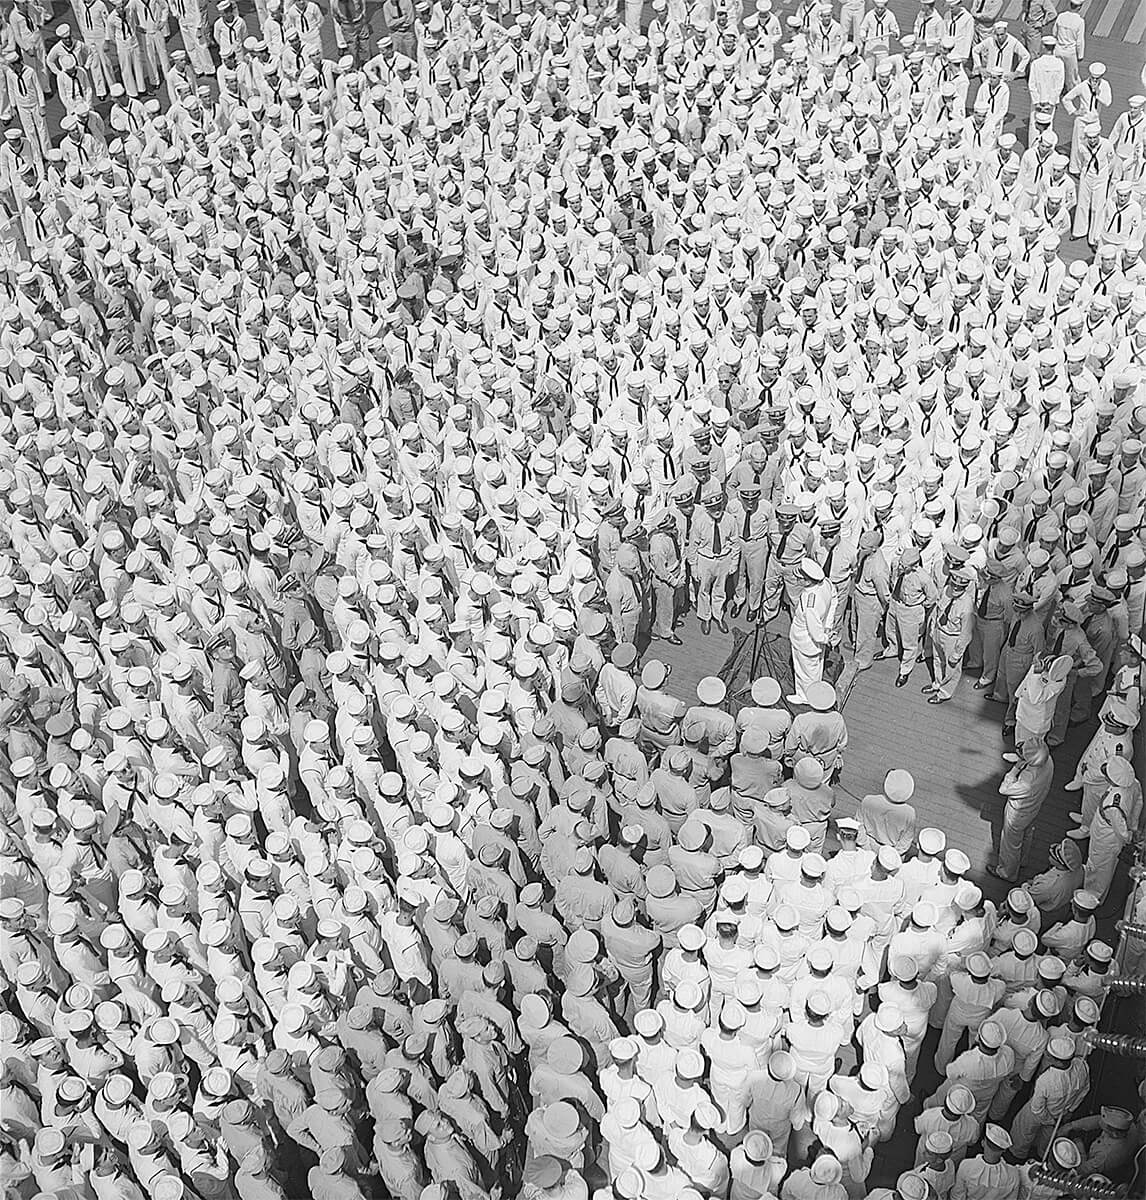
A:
x: 722, y: 625
x: 982, y: 685
x: 1008, y: 730
x: 753, y: 614
x: 992, y: 869
x: 938, y: 699
x: 900, y: 682
x: 705, y: 626
x: 673, y: 640
x: 928, y: 689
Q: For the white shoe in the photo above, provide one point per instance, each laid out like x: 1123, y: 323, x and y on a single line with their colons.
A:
x: 1073, y: 787
x: 1010, y: 758
x: 795, y: 699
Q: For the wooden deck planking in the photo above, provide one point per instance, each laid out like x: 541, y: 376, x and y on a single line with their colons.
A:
x: 953, y: 750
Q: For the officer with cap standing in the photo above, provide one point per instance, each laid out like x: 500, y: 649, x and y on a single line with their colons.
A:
x: 764, y: 714
x: 667, y: 572
x: 713, y: 547
x: 820, y: 732
x: 1066, y: 637
x: 870, y: 598
x: 719, y: 725
x: 888, y: 819
x: 912, y: 594
x: 790, y: 541
x: 952, y: 624
x: 1023, y: 643
x: 660, y: 712
x: 623, y: 591
x: 753, y: 556
x: 670, y: 784
x: 1026, y: 785
x: 811, y: 800
x: 632, y: 947
x: 1111, y: 828
x: 813, y: 619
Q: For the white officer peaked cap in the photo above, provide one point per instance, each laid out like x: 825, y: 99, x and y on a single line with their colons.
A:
x: 561, y: 1119
x: 292, y: 1018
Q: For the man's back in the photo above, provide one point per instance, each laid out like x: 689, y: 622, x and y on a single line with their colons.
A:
x: 885, y: 823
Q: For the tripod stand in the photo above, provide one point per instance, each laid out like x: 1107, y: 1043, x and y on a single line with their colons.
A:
x: 763, y: 651
x: 757, y: 651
